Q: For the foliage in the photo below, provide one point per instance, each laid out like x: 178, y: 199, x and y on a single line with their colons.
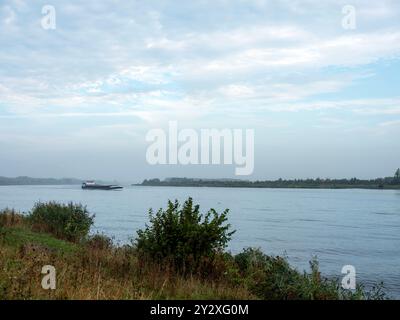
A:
x: 99, y: 241
x: 184, y: 236
x: 10, y: 218
x: 319, y: 183
x: 272, y: 278
x: 67, y: 221
x: 98, y: 269
x: 397, y: 175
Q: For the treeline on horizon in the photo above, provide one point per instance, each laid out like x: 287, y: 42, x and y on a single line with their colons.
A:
x: 378, y: 183
x: 6, y: 181
x: 29, y: 181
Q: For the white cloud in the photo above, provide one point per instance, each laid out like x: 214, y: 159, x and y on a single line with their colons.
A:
x: 148, y: 61
x: 8, y: 16
x: 394, y: 123
x: 237, y: 90
x: 348, y: 50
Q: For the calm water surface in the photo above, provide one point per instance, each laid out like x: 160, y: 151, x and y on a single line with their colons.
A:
x: 340, y: 227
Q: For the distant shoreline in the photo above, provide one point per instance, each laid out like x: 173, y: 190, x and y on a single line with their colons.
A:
x: 248, y: 187
x: 243, y: 187
x: 28, y: 181
x: 375, y: 184
x: 388, y: 183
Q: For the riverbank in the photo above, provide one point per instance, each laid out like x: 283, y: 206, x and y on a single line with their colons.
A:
x: 388, y: 183
x: 95, y: 268
x: 28, y: 181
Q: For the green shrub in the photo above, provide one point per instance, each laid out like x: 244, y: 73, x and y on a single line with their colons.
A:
x: 67, y: 221
x: 272, y: 278
x: 99, y: 242
x: 182, y: 235
x: 251, y: 259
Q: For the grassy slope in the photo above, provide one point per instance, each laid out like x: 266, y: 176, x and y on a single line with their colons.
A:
x: 87, y: 273
x: 98, y: 270
x: 18, y: 236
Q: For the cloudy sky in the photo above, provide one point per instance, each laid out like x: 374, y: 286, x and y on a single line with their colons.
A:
x: 77, y: 101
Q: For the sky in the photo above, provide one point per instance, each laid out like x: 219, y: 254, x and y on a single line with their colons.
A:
x: 78, y: 100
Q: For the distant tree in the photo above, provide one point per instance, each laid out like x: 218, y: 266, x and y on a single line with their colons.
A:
x: 397, y: 174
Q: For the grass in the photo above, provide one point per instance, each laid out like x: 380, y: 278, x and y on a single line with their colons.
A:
x: 90, y: 273
x: 91, y: 270
x: 94, y: 268
x: 18, y: 236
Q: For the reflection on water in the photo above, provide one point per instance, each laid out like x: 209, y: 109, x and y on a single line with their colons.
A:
x: 357, y: 227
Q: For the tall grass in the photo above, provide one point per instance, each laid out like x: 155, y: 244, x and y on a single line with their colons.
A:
x: 93, y: 267
x: 10, y: 218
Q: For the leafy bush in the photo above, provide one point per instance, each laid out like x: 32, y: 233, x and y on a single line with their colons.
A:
x: 99, y: 241
x: 184, y: 236
x: 67, y: 221
x: 272, y: 278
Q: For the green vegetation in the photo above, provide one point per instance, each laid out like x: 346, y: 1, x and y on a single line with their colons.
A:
x: 179, y: 255
x: 353, y: 183
x: 16, y: 231
x: 183, y: 236
x: 397, y: 176
x: 19, y: 236
x: 71, y: 222
x: 272, y: 278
